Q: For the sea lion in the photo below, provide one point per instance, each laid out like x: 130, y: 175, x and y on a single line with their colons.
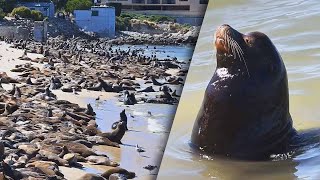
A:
x: 101, y: 160
x: 245, y: 111
x: 89, y: 110
x: 129, y: 98
x: 155, y: 82
x: 91, y: 177
x: 1, y: 151
x: 128, y: 174
x: 148, y: 89
x: 117, y: 134
x: 123, y: 118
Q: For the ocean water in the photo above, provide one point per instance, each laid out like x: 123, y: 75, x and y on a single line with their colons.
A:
x: 182, y: 53
x: 294, y: 29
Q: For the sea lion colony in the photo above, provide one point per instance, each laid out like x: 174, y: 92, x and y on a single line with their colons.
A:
x: 40, y: 132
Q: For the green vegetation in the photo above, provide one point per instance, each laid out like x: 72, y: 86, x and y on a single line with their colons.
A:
x: 2, y: 14
x: 123, y: 21
x: 78, y: 5
x: 180, y: 27
x: 21, y: 11
x: 36, y: 15
x: 152, y: 18
x: 7, y: 5
x: 122, y: 24
x: 25, y: 12
x: 60, y: 4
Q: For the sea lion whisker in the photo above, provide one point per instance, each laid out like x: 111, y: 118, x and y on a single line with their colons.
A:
x: 231, y: 46
x: 236, y: 48
x: 225, y: 41
x: 233, y: 49
x: 240, y: 53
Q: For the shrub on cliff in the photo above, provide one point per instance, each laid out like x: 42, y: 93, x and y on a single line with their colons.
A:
x: 36, y: 15
x: 78, y: 5
x: 7, y: 5
x: 2, y: 14
x: 152, y: 18
x: 122, y: 24
x: 21, y: 11
x: 158, y: 18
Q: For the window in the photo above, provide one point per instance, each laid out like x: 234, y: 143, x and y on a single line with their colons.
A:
x: 153, y: 1
x: 138, y: 1
x: 176, y: 8
x: 94, y: 13
x: 204, y: 1
x: 168, y: 1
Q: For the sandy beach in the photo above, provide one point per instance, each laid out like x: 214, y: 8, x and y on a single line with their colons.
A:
x: 148, y: 124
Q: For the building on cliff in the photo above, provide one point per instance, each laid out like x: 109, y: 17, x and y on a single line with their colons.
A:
x: 185, y: 11
x: 99, y: 19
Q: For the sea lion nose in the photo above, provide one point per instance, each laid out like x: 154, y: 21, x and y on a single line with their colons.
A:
x: 225, y: 26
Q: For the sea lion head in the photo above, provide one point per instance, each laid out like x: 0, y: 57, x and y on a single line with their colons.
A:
x: 246, y: 54
x: 123, y: 116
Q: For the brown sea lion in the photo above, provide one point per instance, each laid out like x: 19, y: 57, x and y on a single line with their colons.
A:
x: 119, y: 170
x: 117, y: 134
x: 123, y: 118
x: 245, y: 111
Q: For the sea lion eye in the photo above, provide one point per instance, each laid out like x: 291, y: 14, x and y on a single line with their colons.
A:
x: 248, y: 42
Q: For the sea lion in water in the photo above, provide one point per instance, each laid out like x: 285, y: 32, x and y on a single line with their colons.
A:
x: 245, y: 111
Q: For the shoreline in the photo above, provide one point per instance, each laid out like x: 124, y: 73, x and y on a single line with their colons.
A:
x: 85, y: 96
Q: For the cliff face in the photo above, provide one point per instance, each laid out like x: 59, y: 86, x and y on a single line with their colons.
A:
x: 23, y: 28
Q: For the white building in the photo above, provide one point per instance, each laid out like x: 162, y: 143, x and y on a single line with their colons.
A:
x: 184, y: 7
x: 99, y: 19
x: 185, y: 11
